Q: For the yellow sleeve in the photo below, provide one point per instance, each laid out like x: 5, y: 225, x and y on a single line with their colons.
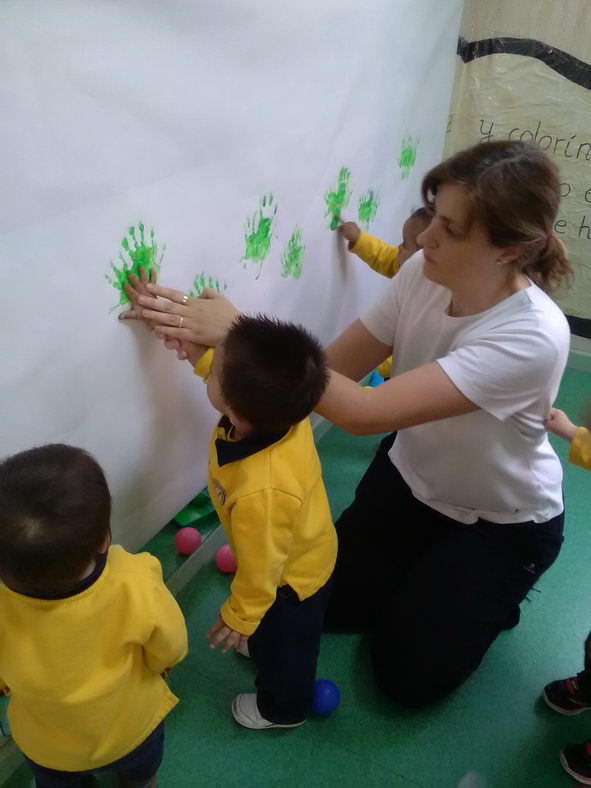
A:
x: 580, y: 448
x: 380, y: 256
x: 168, y: 643
x: 385, y: 368
x: 262, y: 528
x: 203, y: 367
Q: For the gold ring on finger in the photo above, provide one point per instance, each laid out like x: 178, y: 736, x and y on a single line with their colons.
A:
x: 184, y: 299
x: 181, y: 321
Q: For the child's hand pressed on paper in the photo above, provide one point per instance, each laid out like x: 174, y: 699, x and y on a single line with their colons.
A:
x: 138, y: 287
x: 350, y: 231
x: 185, y: 351
x: 135, y: 288
x: 560, y: 424
x: 220, y: 633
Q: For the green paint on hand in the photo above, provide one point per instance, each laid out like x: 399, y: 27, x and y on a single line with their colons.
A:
x: 139, y: 251
x: 293, y: 255
x: 259, y: 228
x: 408, y: 155
x: 368, y: 207
x: 203, y: 282
x: 338, y: 199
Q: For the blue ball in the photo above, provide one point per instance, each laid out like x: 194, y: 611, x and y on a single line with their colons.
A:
x: 326, y: 697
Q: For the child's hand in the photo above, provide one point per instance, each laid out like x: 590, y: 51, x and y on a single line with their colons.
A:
x: 185, y: 351
x: 135, y: 288
x: 176, y: 345
x: 220, y: 633
x: 350, y: 231
x: 560, y: 424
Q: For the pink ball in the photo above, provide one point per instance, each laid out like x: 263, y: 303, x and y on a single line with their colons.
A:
x: 187, y: 540
x: 225, y: 560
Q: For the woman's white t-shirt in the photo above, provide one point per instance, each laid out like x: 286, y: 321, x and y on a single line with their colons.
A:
x: 495, y: 463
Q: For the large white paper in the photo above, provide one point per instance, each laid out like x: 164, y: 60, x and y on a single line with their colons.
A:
x: 202, y: 121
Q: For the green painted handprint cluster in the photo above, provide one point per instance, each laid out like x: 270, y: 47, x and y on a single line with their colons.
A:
x: 139, y: 248
x: 258, y: 237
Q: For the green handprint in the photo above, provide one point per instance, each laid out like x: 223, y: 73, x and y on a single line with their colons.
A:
x: 203, y: 282
x: 259, y: 228
x: 293, y: 255
x: 368, y: 207
x: 408, y: 155
x: 338, y: 199
x: 138, y: 252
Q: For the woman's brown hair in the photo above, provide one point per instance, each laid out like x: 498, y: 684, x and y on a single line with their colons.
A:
x: 514, y: 191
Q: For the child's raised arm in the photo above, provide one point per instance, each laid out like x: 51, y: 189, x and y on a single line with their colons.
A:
x: 579, y: 437
x: 560, y: 424
x: 379, y: 255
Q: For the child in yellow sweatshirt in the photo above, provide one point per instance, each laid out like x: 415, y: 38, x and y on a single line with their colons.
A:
x: 573, y: 695
x: 385, y: 258
x: 265, y: 480
x: 87, y: 630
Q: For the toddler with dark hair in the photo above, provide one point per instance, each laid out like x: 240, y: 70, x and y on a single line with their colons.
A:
x: 266, y: 483
x: 87, y: 630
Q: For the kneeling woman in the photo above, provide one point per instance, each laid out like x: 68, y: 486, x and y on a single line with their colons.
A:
x: 461, y: 510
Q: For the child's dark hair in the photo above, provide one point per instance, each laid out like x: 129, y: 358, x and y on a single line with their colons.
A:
x: 55, y: 509
x: 273, y: 373
x: 422, y: 216
x: 514, y: 191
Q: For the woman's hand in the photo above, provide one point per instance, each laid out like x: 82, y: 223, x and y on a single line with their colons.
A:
x: 138, y: 287
x: 202, y: 321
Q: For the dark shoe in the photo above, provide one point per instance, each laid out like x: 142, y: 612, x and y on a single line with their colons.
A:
x: 576, y: 760
x: 564, y: 696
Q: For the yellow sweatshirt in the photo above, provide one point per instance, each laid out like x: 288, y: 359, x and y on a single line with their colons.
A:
x: 580, y: 449
x: 84, y: 671
x: 379, y: 255
x: 269, y: 495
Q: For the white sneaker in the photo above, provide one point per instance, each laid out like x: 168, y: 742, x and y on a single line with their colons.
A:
x: 246, y: 713
x: 243, y: 649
